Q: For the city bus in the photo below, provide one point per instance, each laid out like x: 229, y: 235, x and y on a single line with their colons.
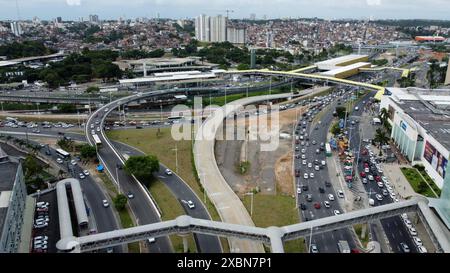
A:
x: 97, y: 140
x: 328, y: 149
x: 63, y: 154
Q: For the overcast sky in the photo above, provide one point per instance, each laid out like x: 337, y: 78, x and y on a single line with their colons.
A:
x: 328, y: 9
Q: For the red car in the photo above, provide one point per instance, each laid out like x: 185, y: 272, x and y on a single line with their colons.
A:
x: 317, y: 205
x: 297, y: 173
x: 362, y: 174
x: 378, y: 178
x: 366, y: 165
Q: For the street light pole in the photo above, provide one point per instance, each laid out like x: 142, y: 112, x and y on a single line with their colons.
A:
x: 176, y: 156
x: 251, y: 203
x: 117, y: 177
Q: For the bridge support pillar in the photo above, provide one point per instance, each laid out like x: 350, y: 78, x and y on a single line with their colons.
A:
x: 185, y: 242
x: 276, y: 244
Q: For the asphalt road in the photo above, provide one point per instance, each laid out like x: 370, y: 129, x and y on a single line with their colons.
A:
x: 140, y: 204
x: 205, y: 243
x: 104, y: 217
x: 394, y: 227
x: 325, y: 242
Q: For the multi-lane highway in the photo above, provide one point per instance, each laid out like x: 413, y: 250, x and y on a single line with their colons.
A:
x: 142, y: 205
x: 306, y: 155
x: 205, y: 244
x: 394, y: 227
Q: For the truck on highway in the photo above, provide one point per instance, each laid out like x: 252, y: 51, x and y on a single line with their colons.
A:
x: 344, y: 247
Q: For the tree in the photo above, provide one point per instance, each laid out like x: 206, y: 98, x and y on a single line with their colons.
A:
x: 384, y: 115
x: 93, y: 89
x: 243, y: 67
x: 120, y: 202
x: 380, y: 137
x: 341, y: 112
x: 88, y: 151
x: 142, y: 166
x: 31, y: 167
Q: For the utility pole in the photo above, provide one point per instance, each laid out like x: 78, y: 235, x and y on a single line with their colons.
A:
x: 251, y: 203
x: 176, y: 156
x: 117, y: 177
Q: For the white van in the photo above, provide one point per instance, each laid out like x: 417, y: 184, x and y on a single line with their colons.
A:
x: 371, y: 202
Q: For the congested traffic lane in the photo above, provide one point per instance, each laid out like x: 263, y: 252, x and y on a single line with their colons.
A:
x: 325, y: 242
x: 394, y: 227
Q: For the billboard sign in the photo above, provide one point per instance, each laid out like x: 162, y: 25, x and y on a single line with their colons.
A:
x: 435, y: 158
x: 403, y: 125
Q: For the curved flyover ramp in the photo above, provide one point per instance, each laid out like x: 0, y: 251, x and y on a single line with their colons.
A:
x: 227, y: 203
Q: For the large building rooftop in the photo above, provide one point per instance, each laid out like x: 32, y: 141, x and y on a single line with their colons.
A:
x: 435, y: 119
x: 342, y: 61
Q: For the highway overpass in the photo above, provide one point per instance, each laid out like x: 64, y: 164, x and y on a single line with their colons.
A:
x: 275, y: 236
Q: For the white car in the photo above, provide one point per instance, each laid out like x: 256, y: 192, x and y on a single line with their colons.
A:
x: 380, y: 184
x: 327, y: 204
x: 379, y: 197
x: 59, y: 160
x: 303, y: 156
x: 151, y: 240
x: 417, y: 241
x: 105, y: 203
x: 336, y: 212
x: 304, y: 162
x: 317, y: 168
x: 168, y: 172
x: 86, y: 173
x: 331, y: 197
x: 422, y: 249
x: 309, y: 165
x: 190, y: 204
x: 82, y: 176
x: 299, y: 190
x: 370, y: 177
x: 303, y: 151
x: 393, y: 195
x: 364, y: 180
x: 340, y: 193
x: 384, y: 179
x: 366, y: 170
x: 311, y: 175
x: 73, y: 162
x: 407, y: 223
x: 323, y: 163
x: 412, y: 231
x: 305, y: 176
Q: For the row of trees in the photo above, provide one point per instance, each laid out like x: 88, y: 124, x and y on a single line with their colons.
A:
x: 79, y: 68
x: 25, y: 49
x: 140, y: 54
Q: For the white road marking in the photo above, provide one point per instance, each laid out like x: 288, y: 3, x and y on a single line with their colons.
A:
x: 223, y: 208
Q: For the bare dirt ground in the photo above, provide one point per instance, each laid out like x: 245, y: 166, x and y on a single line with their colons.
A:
x: 283, y: 174
x: 269, y: 171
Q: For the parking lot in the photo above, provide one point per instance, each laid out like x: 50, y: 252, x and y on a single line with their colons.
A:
x: 51, y: 230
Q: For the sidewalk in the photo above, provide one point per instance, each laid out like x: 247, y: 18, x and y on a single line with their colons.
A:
x: 398, y: 180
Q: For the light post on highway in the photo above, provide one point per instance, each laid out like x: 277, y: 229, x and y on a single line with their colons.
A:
x: 176, y: 156
x: 1, y: 102
x: 204, y: 190
x: 251, y: 202
x: 117, y: 177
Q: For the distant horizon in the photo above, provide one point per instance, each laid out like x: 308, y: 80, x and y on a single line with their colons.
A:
x: 72, y: 10
x: 86, y: 19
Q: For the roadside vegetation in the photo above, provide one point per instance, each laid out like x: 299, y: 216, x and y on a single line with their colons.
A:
x: 275, y: 210
x: 419, y: 184
x: 162, y: 145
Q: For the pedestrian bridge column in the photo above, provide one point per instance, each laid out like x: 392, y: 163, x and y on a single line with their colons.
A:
x: 276, y: 244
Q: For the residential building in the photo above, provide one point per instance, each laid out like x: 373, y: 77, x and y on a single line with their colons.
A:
x: 16, y: 28
x: 236, y: 35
